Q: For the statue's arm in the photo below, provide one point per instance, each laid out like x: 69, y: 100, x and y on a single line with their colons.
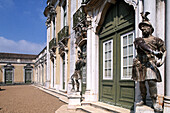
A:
x: 140, y: 43
x: 162, y: 49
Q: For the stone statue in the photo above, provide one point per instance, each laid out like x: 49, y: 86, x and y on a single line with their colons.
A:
x: 151, y: 53
x: 77, y: 74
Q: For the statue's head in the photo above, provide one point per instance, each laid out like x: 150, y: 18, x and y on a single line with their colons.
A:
x: 80, y: 55
x: 145, y: 26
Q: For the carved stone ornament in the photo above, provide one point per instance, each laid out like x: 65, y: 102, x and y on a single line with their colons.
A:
x: 53, y: 52
x: 48, y: 21
x: 8, y: 66
x: 52, y: 11
x: 81, y: 31
x: 62, y: 48
x: 28, y: 66
x: 132, y: 2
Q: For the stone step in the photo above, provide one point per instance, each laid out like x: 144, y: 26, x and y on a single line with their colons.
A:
x: 91, y: 109
x: 52, y: 92
x: 106, y: 107
x: 144, y: 109
x: 64, y: 109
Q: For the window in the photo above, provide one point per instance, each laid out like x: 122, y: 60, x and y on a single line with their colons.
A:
x: 108, y: 60
x: 127, y: 53
x: 8, y: 76
x: 63, y: 57
x: 28, y: 74
x: 84, y: 68
x: 65, y: 14
x: 53, y: 27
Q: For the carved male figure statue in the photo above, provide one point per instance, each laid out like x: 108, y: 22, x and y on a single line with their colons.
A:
x: 151, y: 54
x: 77, y: 74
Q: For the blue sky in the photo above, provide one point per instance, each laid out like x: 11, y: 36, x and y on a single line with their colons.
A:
x: 22, y: 26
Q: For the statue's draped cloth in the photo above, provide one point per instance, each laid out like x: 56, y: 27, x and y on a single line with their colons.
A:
x: 144, y: 65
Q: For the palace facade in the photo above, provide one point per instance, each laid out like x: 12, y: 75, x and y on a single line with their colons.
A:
x: 104, y: 32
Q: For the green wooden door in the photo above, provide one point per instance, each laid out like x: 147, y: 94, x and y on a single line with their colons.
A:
x: 116, y: 54
x: 28, y: 73
x: 8, y: 76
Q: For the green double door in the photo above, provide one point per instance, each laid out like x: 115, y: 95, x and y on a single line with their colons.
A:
x: 8, y: 76
x: 116, y: 56
x: 28, y: 74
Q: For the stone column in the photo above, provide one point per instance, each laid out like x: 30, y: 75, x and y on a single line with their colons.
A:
x: 48, y: 57
x: 138, y: 33
x: 167, y: 39
x: 167, y: 33
x: 150, y: 6
x: 92, y: 63
x: 89, y: 62
x: 66, y: 62
x: 52, y: 73
x: 55, y: 86
x: 95, y: 65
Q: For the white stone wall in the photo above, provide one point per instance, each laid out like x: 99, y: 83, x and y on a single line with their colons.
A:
x: 72, y: 38
x: 168, y: 48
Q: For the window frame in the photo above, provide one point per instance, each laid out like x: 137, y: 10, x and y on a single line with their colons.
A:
x: 111, y: 52
x: 64, y: 13
x: 127, y: 55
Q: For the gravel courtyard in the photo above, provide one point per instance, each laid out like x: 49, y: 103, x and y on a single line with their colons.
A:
x: 27, y: 99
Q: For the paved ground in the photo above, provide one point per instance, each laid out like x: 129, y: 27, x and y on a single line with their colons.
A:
x: 27, y: 99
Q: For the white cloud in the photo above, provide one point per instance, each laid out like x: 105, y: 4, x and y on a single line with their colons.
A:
x: 22, y: 46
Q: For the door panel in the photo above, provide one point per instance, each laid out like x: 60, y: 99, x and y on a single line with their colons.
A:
x: 107, y: 85
x: 116, y: 91
x: 8, y: 76
x: 28, y: 73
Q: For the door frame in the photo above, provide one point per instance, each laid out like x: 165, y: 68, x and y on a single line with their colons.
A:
x: 28, y: 66
x: 8, y: 66
x: 25, y: 74
x: 119, y: 85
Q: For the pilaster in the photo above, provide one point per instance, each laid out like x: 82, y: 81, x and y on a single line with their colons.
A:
x: 167, y: 47
x: 48, y: 56
x: 92, y: 63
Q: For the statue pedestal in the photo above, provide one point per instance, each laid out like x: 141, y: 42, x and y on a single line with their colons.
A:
x: 74, y: 97
x: 74, y: 100
x: 166, y: 104
x: 144, y: 109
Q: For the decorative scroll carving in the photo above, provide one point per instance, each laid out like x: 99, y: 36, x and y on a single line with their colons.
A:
x: 80, y: 25
x: 48, y: 21
x: 52, y: 11
x: 49, y: 12
x: 81, y: 32
x: 52, y: 54
x: 132, y: 2
x: 28, y: 66
x: 62, y: 48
